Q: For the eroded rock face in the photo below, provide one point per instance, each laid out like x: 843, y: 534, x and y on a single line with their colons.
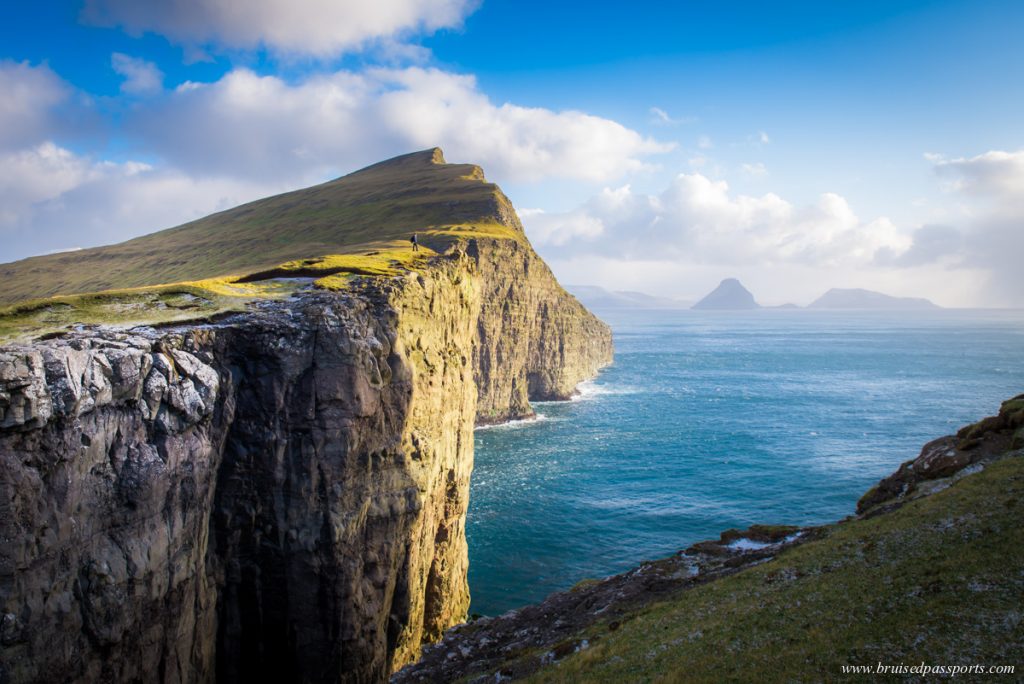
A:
x: 106, y: 483
x: 950, y: 455
x: 535, y: 341
x: 278, y: 495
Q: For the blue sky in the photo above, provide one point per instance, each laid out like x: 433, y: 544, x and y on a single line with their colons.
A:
x: 654, y: 146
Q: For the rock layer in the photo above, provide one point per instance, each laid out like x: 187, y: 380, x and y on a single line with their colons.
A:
x: 280, y: 494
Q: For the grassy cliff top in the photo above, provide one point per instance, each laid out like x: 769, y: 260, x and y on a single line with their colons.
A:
x: 359, y: 224
x: 368, y: 209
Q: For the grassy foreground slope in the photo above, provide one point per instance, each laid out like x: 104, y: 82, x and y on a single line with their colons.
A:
x: 940, y: 581
x: 359, y: 224
x: 930, y: 570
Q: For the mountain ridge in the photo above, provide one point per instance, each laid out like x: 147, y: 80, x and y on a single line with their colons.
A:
x: 376, y: 207
x: 860, y: 298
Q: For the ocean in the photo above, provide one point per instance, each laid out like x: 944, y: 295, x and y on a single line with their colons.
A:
x: 712, y: 420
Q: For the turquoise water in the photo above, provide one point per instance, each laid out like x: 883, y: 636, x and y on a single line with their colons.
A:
x: 714, y: 420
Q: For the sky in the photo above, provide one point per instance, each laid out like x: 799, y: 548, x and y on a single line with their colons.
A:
x: 649, y: 146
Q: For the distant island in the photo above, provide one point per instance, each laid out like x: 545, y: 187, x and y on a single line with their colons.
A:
x: 594, y: 297
x: 838, y: 298
x: 729, y: 295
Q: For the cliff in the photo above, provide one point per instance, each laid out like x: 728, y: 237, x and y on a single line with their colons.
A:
x: 928, y: 571
x: 278, y: 490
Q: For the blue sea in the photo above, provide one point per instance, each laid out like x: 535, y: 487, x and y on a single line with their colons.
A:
x: 712, y: 420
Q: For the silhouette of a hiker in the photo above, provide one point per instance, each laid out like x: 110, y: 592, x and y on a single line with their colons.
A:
x: 415, y: 243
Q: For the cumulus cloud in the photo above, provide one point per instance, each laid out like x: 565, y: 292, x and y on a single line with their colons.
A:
x: 140, y: 77
x: 37, y: 174
x: 699, y: 219
x: 29, y: 97
x: 248, y: 125
x: 682, y: 241
x: 211, y: 145
x: 320, y: 28
x: 930, y: 244
x: 991, y: 237
x: 561, y: 229
x: 994, y: 174
x: 52, y: 199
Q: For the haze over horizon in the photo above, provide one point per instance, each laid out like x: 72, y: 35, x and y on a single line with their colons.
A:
x: 797, y: 147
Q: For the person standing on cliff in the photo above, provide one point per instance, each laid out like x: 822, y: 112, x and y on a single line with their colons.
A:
x: 415, y: 243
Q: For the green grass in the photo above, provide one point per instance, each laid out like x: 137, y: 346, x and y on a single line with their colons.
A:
x: 377, y: 206
x: 151, y: 306
x: 356, y: 226
x: 939, y: 581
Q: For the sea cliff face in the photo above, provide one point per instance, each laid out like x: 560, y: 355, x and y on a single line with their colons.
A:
x: 281, y: 493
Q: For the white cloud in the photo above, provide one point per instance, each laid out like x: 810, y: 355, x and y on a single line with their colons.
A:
x: 988, y: 235
x: 994, y: 173
x: 763, y: 138
x: 561, y: 229
x: 52, y: 199
x: 321, y: 28
x: 246, y: 125
x: 698, y: 219
x: 682, y: 241
x: 140, y: 77
x: 930, y: 244
x: 213, y: 145
x: 704, y: 143
x: 28, y: 97
x: 37, y: 174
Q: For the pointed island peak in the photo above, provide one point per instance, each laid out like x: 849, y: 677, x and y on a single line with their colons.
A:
x: 729, y: 295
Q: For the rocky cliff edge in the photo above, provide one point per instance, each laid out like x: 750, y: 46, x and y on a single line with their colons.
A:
x: 278, y: 494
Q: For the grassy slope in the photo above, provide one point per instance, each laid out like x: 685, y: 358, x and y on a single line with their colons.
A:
x: 375, y: 206
x: 356, y: 225
x: 939, y: 581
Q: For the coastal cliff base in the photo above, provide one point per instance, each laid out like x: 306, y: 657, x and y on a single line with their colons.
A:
x: 929, y: 571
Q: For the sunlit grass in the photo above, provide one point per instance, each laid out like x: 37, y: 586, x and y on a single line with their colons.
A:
x: 355, y: 227
x: 937, y: 581
x: 204, y: 298
x: 378, y: 207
